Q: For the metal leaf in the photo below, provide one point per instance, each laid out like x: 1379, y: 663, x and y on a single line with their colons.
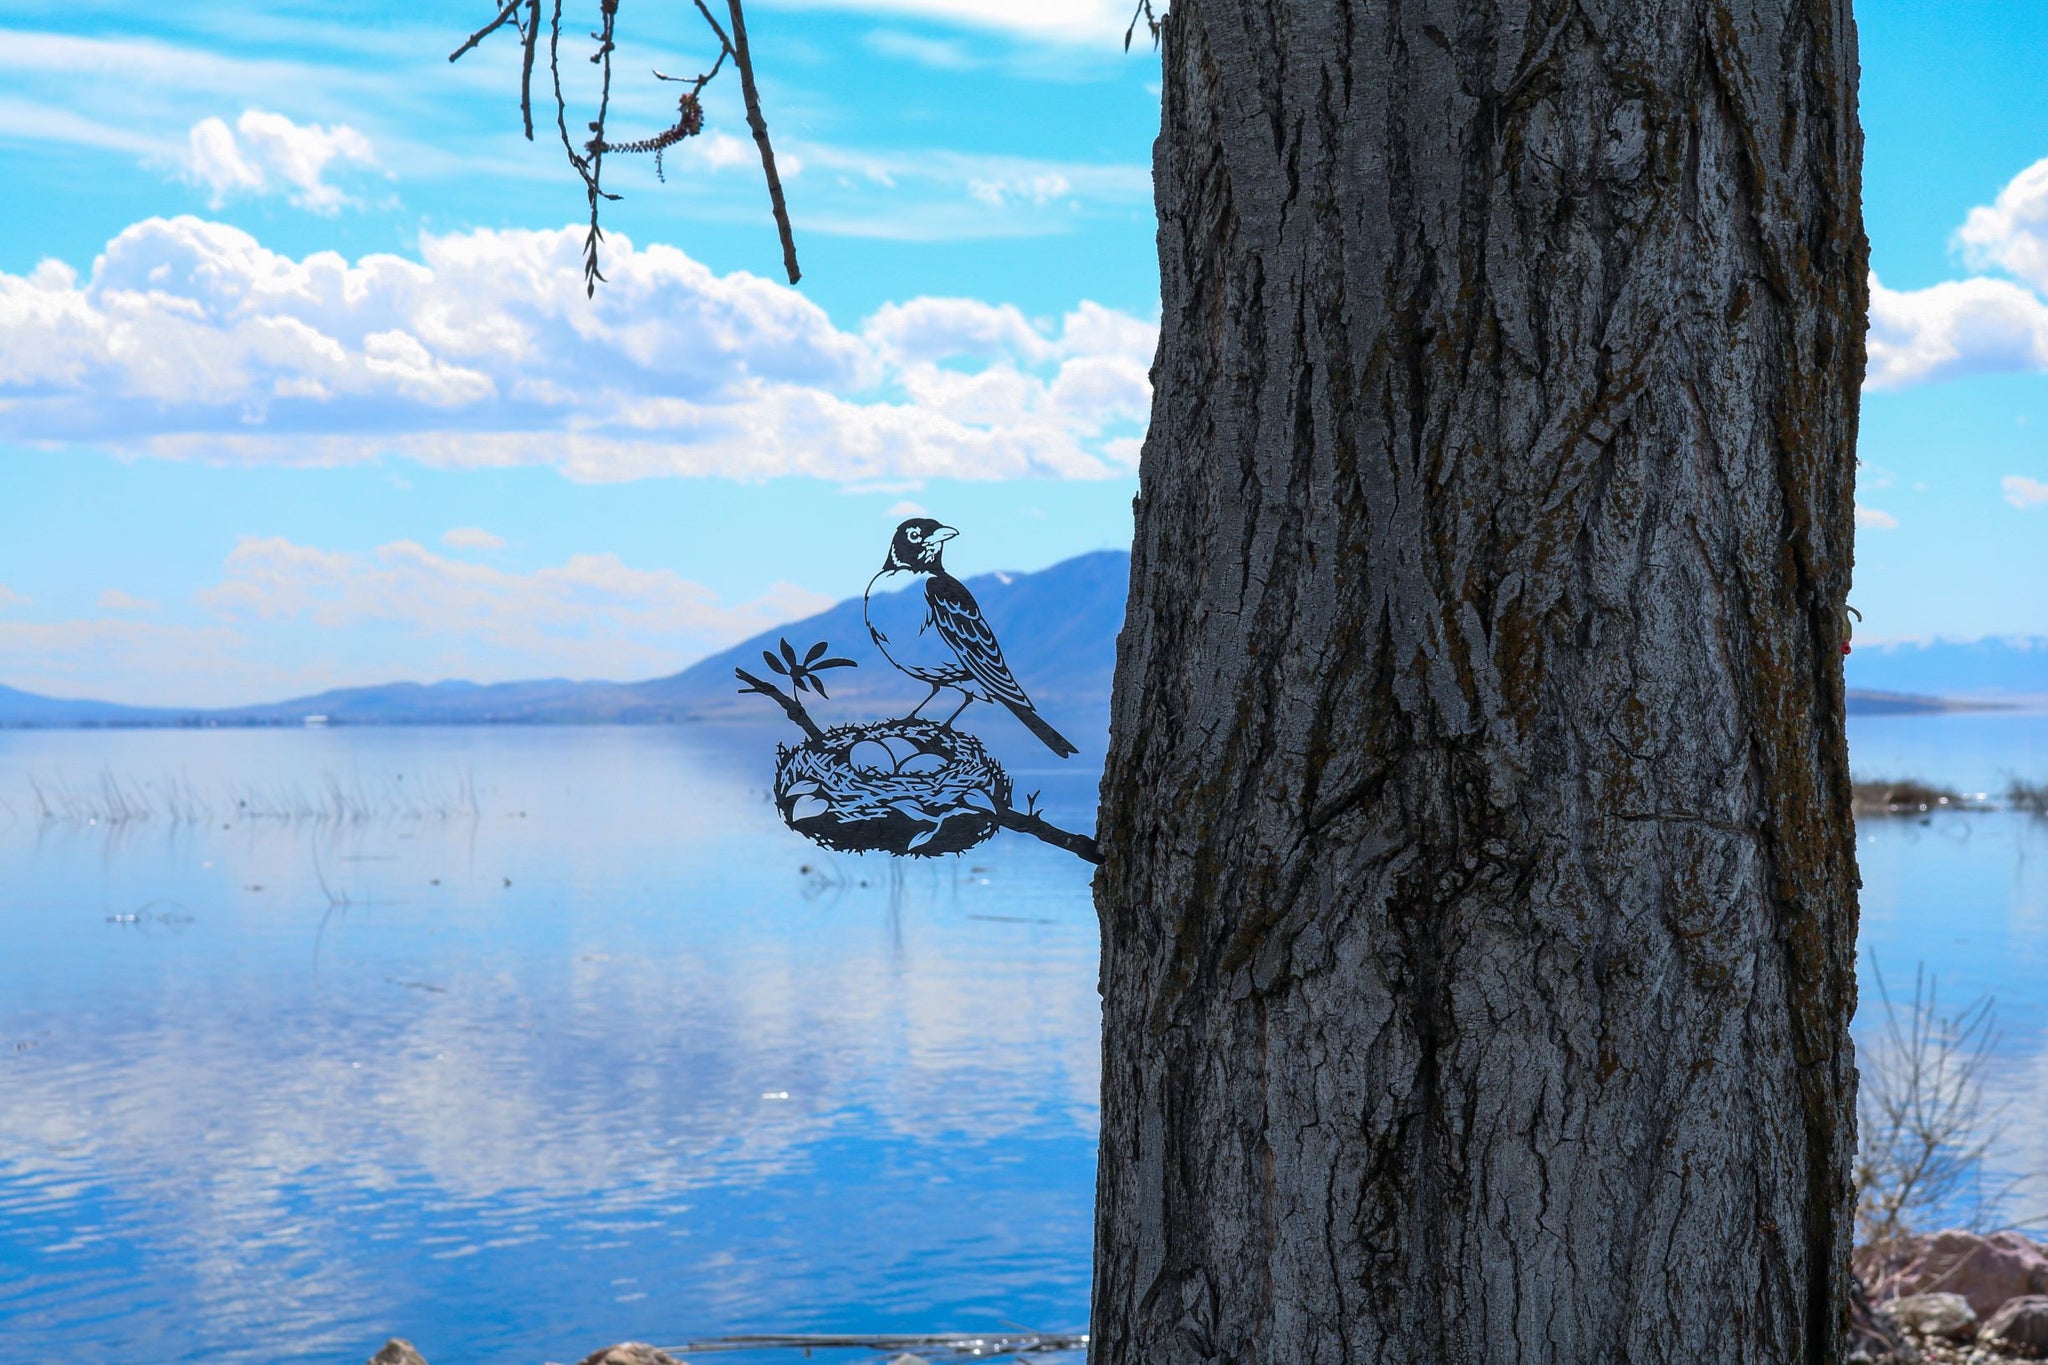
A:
x: 834, y: 662
x: 788, y: 652
x: 816, y: 650
x: 774, y: 662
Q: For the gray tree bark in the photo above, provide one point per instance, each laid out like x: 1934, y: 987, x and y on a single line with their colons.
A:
x: 1479, y: 906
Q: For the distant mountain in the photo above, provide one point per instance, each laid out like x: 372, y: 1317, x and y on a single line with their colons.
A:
x: 18, y: 708
x: 1058, y: 627
x: 2007, y: 669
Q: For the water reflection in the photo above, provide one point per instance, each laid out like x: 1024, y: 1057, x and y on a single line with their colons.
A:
x: 613, y: 1056
x: 607, y: 1053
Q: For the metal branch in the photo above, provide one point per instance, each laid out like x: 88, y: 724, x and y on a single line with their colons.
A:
x: 1038, y: 827
x: 790, y: 704
x: 760, y: 127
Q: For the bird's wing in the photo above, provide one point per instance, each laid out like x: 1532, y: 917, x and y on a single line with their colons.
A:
x: 958, y: 619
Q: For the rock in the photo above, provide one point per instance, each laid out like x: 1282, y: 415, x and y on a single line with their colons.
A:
x: 1985, y: 1270
x: 1873, y: 1338
x: 2020, y: 1327
x: 1948, y: 1316
x: 631, y: 1353
x: 397, y: 1351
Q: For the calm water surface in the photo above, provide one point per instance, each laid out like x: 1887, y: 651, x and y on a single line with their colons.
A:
x: 616, y: 1057
x: 558, y: 1038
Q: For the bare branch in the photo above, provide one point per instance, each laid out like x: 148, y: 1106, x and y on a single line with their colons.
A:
x: 760, y: 127
x: 504, y: 17
x: 587, y: 159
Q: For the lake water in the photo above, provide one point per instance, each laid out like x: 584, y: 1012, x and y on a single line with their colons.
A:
x: 521, y: 1041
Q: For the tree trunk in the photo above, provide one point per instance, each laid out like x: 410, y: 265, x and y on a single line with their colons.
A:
x: 1479, y: 907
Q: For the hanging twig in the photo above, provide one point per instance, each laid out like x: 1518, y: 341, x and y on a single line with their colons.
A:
x: 760, y: 127
x: 588, y: 159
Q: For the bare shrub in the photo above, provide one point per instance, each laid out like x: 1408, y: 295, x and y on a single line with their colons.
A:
x: 1904, y: 796
x: 1924, y: 1125
x: 2031, y: 797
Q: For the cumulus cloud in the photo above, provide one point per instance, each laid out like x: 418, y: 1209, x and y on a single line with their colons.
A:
x: 1871, y: 519
x: 1041, y: 188
x: 108, y: 656
x: 1959, y: 327
x: 471, y: 538
x: 593, y: 614
x: 190, y: 339
x: 267, y: 153
x: 2011, y: 234
x: 2023, y: 492
x: 1978, y: 325
x: 1055, y: 21
x: 113, y: 599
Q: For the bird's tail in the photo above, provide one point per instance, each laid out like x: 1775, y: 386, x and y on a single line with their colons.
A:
x: 1052, y: 738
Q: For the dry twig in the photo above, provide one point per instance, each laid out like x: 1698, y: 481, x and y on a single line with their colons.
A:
x: 1924, y: 1125
x: 587, y: 158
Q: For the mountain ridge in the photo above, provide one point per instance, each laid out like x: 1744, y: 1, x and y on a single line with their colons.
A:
x: 1058, y: 627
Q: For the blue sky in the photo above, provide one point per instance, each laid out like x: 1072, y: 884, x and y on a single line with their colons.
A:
x: 298, y: 387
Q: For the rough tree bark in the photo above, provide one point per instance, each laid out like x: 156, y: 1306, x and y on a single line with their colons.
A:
x: 1479, y: 906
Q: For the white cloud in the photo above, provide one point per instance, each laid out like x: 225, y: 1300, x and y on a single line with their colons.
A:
x: 1958, y: 327
x: 189, y: 339
x: 905, y: 510
x: 10, y: 598
x: 2023, y: 492
x: 1871, y: 519
x: 593, y: 615
x: 1040, y: 188
x: 2011, y: 234
x: 266, y: 153
x: 1978, y: 325
x: 107, y: 658
x: 940, y: 54
x: 1076, y: 22
x: 471, y: 538
x: 113, y: 599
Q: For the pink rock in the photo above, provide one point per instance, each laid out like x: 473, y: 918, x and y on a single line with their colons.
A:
x: 631, y: 1353
x: 1985, y: 1270
x: 2021, y: 1327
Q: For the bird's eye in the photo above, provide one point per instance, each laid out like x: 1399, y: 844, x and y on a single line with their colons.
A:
x: 915, y: 534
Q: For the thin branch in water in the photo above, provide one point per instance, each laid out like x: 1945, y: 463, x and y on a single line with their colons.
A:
x: 1924, y: 1124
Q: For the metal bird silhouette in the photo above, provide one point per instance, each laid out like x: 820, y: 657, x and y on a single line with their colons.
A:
x: 939, y: 635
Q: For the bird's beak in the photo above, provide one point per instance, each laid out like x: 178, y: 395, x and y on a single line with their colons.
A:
x: 942, y: 535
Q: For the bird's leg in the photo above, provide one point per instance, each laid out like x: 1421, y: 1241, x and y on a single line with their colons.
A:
x: 936, y: 689
x: 966, y: 700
